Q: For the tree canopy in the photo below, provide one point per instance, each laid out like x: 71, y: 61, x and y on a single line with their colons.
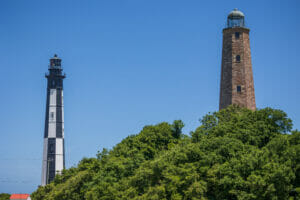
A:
x: 4, y: 196
x: 235, y: 153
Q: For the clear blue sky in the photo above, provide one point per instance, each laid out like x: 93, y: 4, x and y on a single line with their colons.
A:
x: 129, y: 64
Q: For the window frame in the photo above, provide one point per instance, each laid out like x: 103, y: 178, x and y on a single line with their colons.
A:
x: 238, y: 58
x: 52, y: 116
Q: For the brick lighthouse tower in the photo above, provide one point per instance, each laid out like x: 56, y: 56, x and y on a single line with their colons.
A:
x: 53, y: 156
x: 237, y: 85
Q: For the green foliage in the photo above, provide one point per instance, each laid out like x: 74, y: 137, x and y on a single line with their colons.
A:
x: 235, y: 154
x: 4, y: 196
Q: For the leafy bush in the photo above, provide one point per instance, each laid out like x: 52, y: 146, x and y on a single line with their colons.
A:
x: 4, y: 196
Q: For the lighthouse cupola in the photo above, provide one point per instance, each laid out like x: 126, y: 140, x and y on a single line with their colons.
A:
x: 55, y: 62
x: 235, y: 19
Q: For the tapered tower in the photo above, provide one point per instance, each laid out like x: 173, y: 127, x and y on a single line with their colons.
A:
x: 237, y: 85
x: 53, y: 155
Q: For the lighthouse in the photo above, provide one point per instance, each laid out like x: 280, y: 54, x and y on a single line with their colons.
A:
x: 53, y: 153
x: 237, y: 86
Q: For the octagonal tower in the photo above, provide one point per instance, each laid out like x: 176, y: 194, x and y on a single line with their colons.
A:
x: 237, y: 86
x: 53, y: 155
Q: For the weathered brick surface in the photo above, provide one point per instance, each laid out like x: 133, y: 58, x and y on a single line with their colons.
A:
x: 236, y: 73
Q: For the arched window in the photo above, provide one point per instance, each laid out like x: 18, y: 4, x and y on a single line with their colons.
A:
x: 238, y: 58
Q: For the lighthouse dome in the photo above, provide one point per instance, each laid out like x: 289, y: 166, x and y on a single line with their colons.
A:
x: 236, y: 14
x: 235, y: 19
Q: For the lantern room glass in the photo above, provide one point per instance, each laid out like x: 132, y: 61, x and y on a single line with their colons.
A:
x: 235, y: 22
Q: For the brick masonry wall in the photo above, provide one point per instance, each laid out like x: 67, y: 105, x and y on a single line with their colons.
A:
x: 236, y: 73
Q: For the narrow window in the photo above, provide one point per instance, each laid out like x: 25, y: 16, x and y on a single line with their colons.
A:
x: 51, y: 148
x: 237, y: 35
x: 239, y: 89
x: 238, y: 58
x: 52, y: 116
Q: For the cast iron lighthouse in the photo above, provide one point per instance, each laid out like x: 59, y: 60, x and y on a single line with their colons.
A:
x: 237, y: 85
x: 53, y: 155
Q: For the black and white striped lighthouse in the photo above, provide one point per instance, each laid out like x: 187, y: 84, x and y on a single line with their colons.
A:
x: 53, y: 155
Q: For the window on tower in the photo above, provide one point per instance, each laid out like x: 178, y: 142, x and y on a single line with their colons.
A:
x: 52, y: 115
x: 51, y: 148
x: 238, y: 58
x: 239, y: 89
x: 237, y: 35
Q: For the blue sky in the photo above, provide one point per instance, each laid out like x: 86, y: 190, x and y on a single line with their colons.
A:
x: 129, y: 64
